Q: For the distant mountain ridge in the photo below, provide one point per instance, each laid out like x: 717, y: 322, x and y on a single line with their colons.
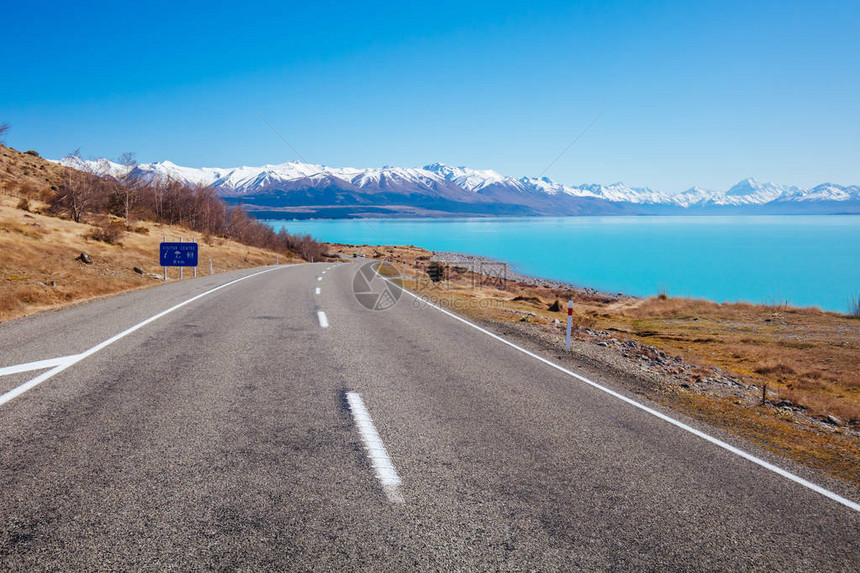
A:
x: 309, y: 190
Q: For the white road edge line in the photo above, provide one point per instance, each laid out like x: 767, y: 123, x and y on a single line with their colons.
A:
x: 385, y: 471
x: 317, y: 291
x: 38, y: 365
x: 74, y: 359
x: 323, y: 318
x: 717, y: 442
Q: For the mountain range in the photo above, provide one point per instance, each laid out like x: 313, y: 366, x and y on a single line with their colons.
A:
x: 303, y: 190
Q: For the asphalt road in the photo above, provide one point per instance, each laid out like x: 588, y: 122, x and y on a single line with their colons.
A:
x: 219, y: 437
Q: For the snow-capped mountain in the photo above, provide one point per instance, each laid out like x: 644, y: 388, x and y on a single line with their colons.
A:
x: 437, y: 188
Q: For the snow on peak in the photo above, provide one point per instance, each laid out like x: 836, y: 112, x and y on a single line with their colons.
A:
x: 439, y: 178
x: 469, y: 179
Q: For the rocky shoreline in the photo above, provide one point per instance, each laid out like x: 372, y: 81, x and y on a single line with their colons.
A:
x: 488, y: 266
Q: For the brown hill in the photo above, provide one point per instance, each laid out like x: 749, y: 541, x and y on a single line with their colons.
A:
x: 40, y: 265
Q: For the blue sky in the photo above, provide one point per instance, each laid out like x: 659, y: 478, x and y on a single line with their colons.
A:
x: 692, y: 93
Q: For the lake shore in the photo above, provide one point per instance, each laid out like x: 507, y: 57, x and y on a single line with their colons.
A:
x: 783, y: 377
x: 805, y: 261
x: 490, y: 267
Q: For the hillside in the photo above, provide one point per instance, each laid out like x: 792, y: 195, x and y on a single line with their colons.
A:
x: 304, y: 190
x: 40, y: 267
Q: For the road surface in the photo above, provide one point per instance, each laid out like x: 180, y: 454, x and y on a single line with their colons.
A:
x: 225, y: 434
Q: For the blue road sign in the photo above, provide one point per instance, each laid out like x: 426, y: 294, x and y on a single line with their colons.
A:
x: 178, y: 255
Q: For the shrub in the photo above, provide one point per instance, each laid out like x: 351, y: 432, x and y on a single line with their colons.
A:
x: 109, y: 232
x: 854, y: 306
x: 662, y: 296
x: 32, y: 152
x: 775, y: 368
x: 24, y: 204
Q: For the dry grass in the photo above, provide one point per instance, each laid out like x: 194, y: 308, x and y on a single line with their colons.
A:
x: 25, y: 176
x: 39, y: 268
x: 806, y: 356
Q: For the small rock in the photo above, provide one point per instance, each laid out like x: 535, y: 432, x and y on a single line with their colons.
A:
x: 85, y: 258
x: 831, y: 419
x: 138, y: 271
x: 603, y: 343
x: 556, y: 321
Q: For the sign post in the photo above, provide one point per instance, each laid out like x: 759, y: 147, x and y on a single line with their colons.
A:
x: 178, y: 255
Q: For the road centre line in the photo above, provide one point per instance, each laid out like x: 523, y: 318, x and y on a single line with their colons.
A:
x: 322, y: 318
x: 317, y: 291
x: 75, y: 358
x: 717, y: 442
x: 382, y: 466
x: 319, y: 278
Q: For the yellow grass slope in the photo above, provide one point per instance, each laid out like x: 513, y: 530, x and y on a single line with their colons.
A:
x: 40, y: 269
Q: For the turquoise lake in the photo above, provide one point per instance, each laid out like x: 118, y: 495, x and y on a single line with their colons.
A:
x: 806, y: 260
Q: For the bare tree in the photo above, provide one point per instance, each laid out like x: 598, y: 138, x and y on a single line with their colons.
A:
x: 126, y: 189
x: 4, y: 128
x: 80, y: 193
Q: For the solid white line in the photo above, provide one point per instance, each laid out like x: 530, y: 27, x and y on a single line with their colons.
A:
x: 385, y: 471
x: 323, y: 319
x: 74, y: 359
x: 38, y: 365
x: 717, y: 442
x: 318, y: 290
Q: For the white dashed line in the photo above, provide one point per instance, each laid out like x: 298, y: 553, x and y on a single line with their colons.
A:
x: 717, y: 442
x: 385, y: 472
x: 323, y: 319
x: 318, y: 290
x: 319, y: 278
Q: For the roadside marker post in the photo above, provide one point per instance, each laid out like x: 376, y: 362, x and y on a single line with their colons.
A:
x: 569, y: 323
x: 164, y: 269
x: 180, y: 268
x: 210, y: 267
